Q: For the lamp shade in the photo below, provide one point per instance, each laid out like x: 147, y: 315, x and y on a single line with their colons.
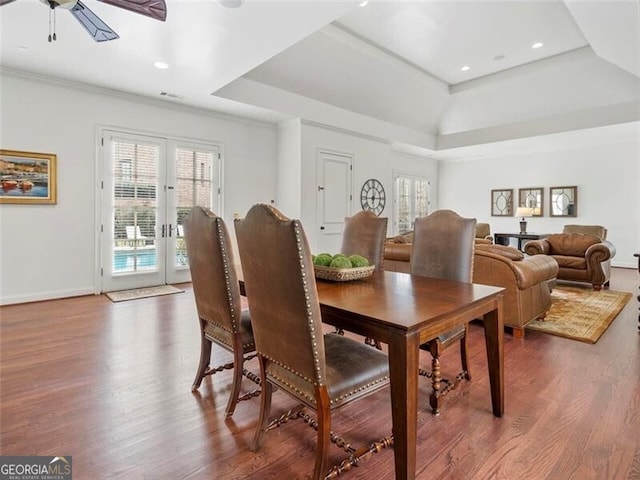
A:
x: 524, y: 212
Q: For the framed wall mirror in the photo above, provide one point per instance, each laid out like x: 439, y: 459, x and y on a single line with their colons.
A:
x: 502, y: 203
x: 532, y: 198
x: 563, y: 201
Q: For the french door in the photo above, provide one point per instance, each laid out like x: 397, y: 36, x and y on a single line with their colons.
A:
x: 148, y: 186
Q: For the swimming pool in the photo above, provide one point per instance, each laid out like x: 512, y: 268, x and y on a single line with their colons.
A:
x: 134, y: 260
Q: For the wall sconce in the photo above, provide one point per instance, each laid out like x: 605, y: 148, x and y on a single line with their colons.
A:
x: 523, y: 212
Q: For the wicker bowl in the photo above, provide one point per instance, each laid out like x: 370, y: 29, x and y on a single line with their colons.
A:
x: 343, y: 274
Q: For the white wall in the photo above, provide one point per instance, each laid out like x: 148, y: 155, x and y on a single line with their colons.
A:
x: 49, y: 251
x: 606, y: 176
x: 371, y: 159
x: 289, y: 167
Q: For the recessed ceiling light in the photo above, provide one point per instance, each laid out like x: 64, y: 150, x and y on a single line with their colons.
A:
x: 364, y: 3
x: 229, y: 3
x: 465, y: 68
x: 161, y: 65
x: 537, y: 45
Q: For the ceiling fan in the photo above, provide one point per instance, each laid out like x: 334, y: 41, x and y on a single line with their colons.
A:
x: 100, y: 31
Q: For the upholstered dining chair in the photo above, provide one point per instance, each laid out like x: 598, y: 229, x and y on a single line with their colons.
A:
x: 364, y: 234
x: 217, y: 296
x: 443, y: 244
x: 322, y: 372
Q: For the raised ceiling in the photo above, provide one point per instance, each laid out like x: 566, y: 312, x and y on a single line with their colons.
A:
x: 390, y: 69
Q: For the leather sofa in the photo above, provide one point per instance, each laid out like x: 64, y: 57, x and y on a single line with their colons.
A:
x: 397, y: 253
x: 397, y: 250
x: 527, y: 282
x: 582, y: 252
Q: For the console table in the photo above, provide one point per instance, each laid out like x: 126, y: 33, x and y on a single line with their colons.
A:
x: 503, y: 238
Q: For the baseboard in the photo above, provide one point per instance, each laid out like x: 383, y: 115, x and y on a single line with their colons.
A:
x: 38, y: 297
x: 631, y: 264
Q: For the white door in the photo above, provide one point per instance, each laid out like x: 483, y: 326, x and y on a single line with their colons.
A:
x: 148, y: 188
x: 334, y: 197
x: 195, y: 180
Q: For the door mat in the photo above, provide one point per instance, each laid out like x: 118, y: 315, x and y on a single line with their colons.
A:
x: 124, y: 295
x: 581, y: 313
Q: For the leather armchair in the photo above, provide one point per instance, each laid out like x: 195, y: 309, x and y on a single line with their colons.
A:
x: 581, y: 257
x: 526, y: 281
x: 483, y: 234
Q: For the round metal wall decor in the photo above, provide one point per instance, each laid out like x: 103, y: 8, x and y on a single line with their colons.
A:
x: 372, y: 196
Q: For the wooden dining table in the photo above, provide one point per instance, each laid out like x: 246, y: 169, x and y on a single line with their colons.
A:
x: 405, y: 311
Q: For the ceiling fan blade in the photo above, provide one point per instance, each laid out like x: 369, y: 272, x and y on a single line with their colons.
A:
x: 4, y: 2
x: 151, y: 8
x: 100, y: 31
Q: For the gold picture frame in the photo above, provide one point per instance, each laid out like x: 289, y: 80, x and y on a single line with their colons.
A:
x: 28, y: 177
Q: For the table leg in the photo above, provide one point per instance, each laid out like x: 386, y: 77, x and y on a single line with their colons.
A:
x: 494, y: 333
x: 403, y: 366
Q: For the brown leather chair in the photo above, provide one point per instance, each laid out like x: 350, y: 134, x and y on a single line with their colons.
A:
x: 443, y: 245
x: 483, y: 234
x: 323, y: 372
x: 526, y: 281
x: 217, y: 295
x: 364, y: 235
x: 582, y: 252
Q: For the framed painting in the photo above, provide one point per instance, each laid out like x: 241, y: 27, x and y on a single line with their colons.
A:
x: 27, y: 177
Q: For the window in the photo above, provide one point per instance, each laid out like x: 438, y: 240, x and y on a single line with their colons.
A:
x: 411, y: 200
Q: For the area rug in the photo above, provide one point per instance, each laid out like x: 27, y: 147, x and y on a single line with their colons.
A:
x: 581, y: 313
x: 146, y: 292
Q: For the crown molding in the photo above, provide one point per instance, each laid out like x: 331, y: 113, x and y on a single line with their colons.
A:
x: 132, y: 97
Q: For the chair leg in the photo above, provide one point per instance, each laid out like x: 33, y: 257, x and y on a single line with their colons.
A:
x: 323, y: 414
x: 238, y: 365
x: 464, y: 353
x: 372, y: 342
x: 435, y: 347
x: 265, y: 408
x: 205, y: 359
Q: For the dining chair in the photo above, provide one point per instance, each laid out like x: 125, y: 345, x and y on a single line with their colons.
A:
x: 364, y: 234
x: 321, y: 371
x: 443, y: 245
x: 217, y: 297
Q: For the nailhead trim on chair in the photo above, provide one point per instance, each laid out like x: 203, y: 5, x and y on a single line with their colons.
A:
x: 353, y: 392
x: 223, y: 250
x: 223, y: 340
x: 310, y: 319
x: 299, y: 392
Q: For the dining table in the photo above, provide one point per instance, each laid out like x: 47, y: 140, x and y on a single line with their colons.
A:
x: 404, y: 311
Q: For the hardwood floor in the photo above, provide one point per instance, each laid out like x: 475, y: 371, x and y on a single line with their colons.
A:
x: 110, y: 385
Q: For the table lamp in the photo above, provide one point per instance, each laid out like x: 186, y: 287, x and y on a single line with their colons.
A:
x: 523, y: 212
